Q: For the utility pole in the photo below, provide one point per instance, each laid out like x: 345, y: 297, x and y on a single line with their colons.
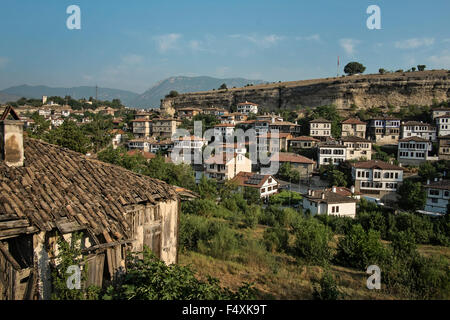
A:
x: 96, y: 93
x: 337, y: 69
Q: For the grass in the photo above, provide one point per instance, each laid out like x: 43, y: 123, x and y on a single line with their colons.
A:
x: 281, y: 276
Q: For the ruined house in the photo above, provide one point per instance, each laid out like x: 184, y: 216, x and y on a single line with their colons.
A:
x: 47, y: 191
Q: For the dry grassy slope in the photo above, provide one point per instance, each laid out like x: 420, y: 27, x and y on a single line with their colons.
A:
x: 398, y: 89
x: 280, y: 276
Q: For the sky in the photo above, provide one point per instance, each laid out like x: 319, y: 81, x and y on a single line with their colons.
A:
x: 133, y: 44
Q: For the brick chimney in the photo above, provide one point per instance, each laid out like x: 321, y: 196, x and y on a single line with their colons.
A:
x: 11, y: 139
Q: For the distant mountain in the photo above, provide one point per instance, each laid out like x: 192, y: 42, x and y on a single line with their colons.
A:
x: 152, y: 97
x: 5, y: 97
x: 149, y: 99
x: 36, y: 92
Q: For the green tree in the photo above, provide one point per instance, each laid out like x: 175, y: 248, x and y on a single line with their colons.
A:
x: 70, y: 136
x: 412, y: 195
x: 382, y: 71
x: 172, y: 94
x: 427, y: 171
x: 326, y: 288
x: 311, y: 242
x: 223, y: 86
x: 359, y: 248
x: 421, y: 67
x: 353, y: 68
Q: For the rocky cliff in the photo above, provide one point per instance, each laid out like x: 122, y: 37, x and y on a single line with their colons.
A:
x: 364, y: 91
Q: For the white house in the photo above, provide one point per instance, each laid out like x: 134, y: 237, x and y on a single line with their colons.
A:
x: 328, y: 153
x: 418, y: 129
x: 440, y: 112
x: 141, y: 144
x: 223, y: 131
x: 320, y: 128
x: 377, y: 178
x: 329, y: 202
x: 438, y: 195
x: 414, y: 151
x: 247, y: 107
x: 265, y: 184
x: 443, y: 125
x: 185, y: 149
x: 226, y: 166
x: 357, y: 148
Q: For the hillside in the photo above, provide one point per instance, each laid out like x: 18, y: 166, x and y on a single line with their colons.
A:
x: 152, y: 97
x: 36, y: 92
x: 375, y: 90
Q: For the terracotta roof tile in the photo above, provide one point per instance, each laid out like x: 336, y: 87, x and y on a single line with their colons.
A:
x: 57, y: 183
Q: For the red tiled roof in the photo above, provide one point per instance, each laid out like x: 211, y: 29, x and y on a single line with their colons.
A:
x: 291, y: 157
x: 242, y: 179
x: 304, y: 138
x: 443, y: 184
x: 417, y: 139
x: 375, y: 164
x: 221, y: 158
x: 353, y: 121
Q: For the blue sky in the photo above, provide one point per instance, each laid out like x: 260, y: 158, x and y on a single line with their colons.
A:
x: 135, y: 43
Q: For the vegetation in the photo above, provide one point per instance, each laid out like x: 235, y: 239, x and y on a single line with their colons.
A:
x: 353, y: 68
x: 412, y: 195
x: 148, y: 278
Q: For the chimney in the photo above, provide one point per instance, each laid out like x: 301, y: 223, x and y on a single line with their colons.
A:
x: 333, y: 189
x: 353, y: 189
x: 11, y: 139
x: 323, y: 195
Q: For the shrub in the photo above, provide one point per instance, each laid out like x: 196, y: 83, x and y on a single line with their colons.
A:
x: 276, y: 239
x: 200, y: 207
x: 149, y: 278
x: 339, y: 225
x: 359, y: 249
x: 311, y: 242
x: 326, y: 288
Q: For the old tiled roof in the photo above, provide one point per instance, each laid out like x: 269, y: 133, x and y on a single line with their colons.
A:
x: 304, y: 138
x: 354, y: 139
x: 221, y: 158
x: 417, y: 139
x: 353, y: 121
x: 443, y: 184
x: 57, y: 186
x: 375, y: 164
x: 344, y: 191
x: 320, y: 120
x: 291, y: 157
x: 247, y: 103
x: 415, y: 123
x: 330, y: 197
x: 245, y: 178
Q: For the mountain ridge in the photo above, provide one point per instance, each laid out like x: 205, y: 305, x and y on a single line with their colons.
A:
x: 151, y: 98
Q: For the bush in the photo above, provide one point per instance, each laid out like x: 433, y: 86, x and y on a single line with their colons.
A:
x: 339, y: 225
x: 408, y: 273
x: 326, y: 288
x: 200, y: 207
x: 311, y: 242
x: 359, y: 249
x: 149, y: 278
x: 276, y: 239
